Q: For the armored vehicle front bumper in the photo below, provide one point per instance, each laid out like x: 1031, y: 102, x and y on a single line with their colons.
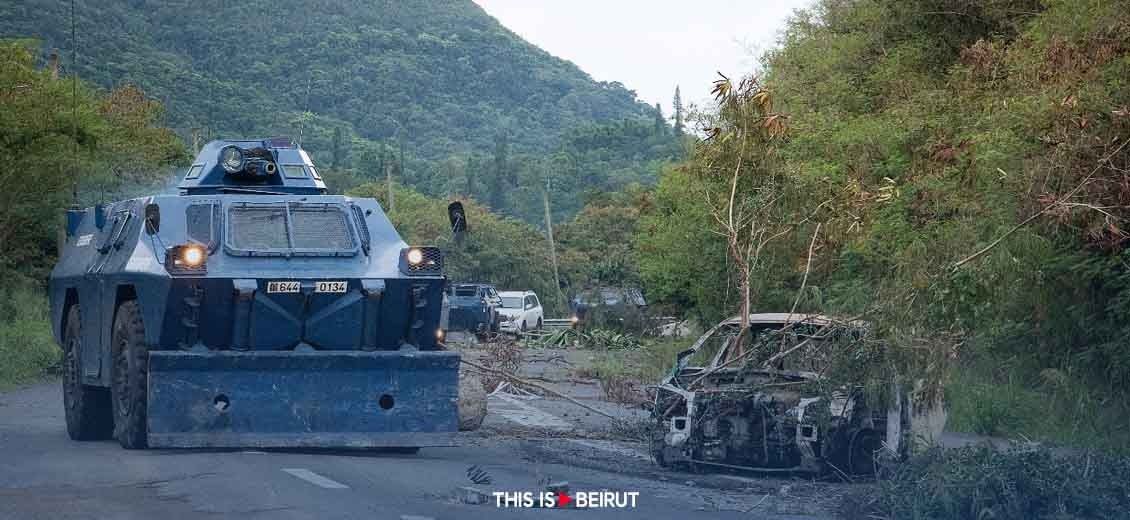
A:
x: 334, y: 399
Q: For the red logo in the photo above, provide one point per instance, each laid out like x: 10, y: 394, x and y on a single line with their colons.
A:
x: 563, y: 499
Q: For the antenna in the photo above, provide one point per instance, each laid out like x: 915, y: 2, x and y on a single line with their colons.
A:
x: 74, y: 109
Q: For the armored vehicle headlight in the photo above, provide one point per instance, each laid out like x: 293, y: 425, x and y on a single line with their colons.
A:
x: 192, y: 256
x: 186, y: 259
x: 421, y: 260
x: 231, y: 158
x: 415, y: 256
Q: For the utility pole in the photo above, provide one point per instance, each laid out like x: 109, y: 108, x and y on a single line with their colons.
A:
x: 388, y: 178
x: 549, y: 235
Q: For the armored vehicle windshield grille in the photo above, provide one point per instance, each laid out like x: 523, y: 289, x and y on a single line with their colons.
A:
x: 259, y: 229
x: 320, y: 228
x: 289, y: 228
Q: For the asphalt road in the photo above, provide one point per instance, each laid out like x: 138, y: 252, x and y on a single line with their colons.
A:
x: 43, y: 474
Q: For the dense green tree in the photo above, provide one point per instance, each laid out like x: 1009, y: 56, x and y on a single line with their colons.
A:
x: 60, y: 139
x: 338, y: 149
x: 499, y: 250
x: 660, y: 121
x: 677, y: 103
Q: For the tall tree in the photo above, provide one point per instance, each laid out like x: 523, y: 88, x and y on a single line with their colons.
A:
x: 660, y: 122
x: 747, y: 197
x: 338, y: 151
x: 678, y: 102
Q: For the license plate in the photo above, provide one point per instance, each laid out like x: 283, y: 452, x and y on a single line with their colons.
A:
x: 331, y: 287
x: 284, y: 287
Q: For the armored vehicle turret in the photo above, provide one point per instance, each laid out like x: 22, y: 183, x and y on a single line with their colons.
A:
x: 251, y: 309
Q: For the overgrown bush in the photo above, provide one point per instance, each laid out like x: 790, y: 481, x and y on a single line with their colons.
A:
x: 978, y: 483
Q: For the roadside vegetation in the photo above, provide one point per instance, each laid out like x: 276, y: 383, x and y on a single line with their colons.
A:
x: 27, y: 349
x: 101, y: 145
x: 954, y: 172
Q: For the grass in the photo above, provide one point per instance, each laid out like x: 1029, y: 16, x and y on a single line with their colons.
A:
x: 977, y: 483
x: 623, y: 374
x: 27, y: 349
x: 1047, y: 405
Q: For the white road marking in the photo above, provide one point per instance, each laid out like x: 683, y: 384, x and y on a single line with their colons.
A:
x: 314, y: 478
x: 524, y: 414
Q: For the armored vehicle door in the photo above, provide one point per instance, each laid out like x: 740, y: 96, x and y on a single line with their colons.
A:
x: 108, y: 241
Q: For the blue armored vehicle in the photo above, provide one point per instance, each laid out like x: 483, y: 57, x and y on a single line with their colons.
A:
x: 252, y: 310
x: 474, y: 308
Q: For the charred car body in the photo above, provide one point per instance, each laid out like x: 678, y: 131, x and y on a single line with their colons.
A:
x: 717, y: 408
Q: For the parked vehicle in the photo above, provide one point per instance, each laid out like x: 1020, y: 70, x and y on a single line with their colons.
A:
x: 473, y: 307
x: 251, y: 309
x: 521, y: 311
x: 611, y: 303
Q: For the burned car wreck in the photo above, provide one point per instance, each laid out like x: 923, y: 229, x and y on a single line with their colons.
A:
x: 766, y: 404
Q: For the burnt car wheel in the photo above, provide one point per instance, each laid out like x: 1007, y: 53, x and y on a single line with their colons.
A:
x: 130, y: 376
x: 87, y: 407
x: 861, y: 451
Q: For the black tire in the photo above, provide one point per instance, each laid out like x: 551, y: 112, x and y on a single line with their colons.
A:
x: 539, y: 324
x: 861, y: 452
x: 523, y: 325
x: 87, y: 408
x: 130, y: 377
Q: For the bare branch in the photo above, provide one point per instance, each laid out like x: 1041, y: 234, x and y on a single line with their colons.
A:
x: 807, y: 268
x: 1045, y: 209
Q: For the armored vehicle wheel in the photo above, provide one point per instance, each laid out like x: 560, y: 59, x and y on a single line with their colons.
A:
x: 130, y: 376
x: 87, y: 407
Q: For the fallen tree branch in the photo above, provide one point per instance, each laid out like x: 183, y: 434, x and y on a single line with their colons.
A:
x: 1045, y: 209
x: 515, y: 379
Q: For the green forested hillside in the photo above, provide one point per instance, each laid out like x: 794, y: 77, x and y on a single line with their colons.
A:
x: 434, y: 92
x: 441, y: 75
